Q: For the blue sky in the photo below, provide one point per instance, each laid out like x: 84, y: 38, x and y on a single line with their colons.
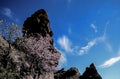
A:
x: 85, y: 31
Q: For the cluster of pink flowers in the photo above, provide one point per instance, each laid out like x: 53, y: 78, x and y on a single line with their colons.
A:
x: 43, y: 56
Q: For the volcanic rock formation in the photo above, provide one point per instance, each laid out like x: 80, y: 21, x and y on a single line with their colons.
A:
x: 33, y: 55
x: 91, y: 73
x: 37, y: 44
x: 73, y: 73
x: 38, y: 23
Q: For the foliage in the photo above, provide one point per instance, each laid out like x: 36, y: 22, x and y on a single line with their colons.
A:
x: 8, y: 69
x: 40, y: 54
x: 33, y: 54
x: 10, y: 31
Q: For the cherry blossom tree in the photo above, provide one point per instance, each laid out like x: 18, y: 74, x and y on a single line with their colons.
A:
x: 40, y: 53
x: 10, y: 31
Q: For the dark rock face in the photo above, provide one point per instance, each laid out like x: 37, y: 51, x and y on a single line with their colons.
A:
x: 72, y: 73
x: 32, y: 56
x: 91, y: 73
x: 37, y: 23
x: 38, y: 40
x: 8, y: 68
x: 39, y: 53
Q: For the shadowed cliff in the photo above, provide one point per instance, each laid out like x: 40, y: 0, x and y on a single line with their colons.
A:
x: 33, y: 54
x: 73, y: 73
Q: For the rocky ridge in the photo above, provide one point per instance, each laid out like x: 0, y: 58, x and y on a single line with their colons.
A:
x: 73, y: 73
x: 33, y: 55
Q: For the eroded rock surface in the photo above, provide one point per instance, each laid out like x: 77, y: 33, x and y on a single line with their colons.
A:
x: 91, y: 73
x: 33, y: 55
x: 73, y: 73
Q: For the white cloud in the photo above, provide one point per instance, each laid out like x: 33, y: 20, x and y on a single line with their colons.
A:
x: 93, y: 26
x: 84, y: 49
x: 110, y: 62
x: 65, y: 44
x: 102, y: 38
x: 90, y: 44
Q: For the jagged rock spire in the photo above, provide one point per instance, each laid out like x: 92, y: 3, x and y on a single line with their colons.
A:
x: 32, y: 56
x: 38, y: 23
x: 37, y: 46
x: 73, y: 73
x: 91, y: 73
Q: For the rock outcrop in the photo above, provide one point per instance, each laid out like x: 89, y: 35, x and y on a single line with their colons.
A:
x: 8, y: 68
x: 33, y: 55
x: 41, y: 57
x: 38, y: 23
x: 73, y: 73
x: 91, y: 73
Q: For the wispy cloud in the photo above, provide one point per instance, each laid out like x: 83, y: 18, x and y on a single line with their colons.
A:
x: 84, y: 49
x: 93, y: 42
x: 9, y: 13
x: 110, y: 62
x: 105, y: 30
x: 65, y: 43
x: 90, y: 44
x: 93, y: 26
x: 108, y: 47
x: 107, y: 44
x: 62, y: 61
x: 119, y: 51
